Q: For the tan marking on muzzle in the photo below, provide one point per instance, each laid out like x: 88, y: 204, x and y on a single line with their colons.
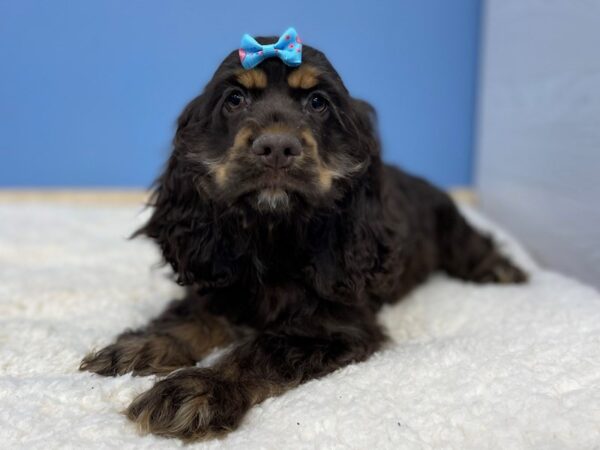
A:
x: 324, y: 174
x: 221, y: 168
x: 305, y: 77
x: 252, y: 79
x: 278, y: 128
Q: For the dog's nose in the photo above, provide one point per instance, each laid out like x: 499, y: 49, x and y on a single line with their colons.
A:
x: 277, y: 150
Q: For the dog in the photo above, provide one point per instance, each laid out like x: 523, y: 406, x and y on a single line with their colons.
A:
x: 288, y: 231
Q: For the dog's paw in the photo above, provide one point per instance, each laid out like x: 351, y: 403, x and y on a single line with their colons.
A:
x: 139, y: 353
x: 191, y: 404
x: 501, y: 270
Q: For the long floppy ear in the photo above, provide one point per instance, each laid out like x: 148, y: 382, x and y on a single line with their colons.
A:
x: 365, y: 120
x: 367, y: 238
x: 181, y: 222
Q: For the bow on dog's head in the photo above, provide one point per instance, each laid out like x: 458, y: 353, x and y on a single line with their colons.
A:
x: 288, y: 48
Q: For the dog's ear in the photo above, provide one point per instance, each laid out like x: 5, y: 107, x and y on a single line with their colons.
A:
x: 195, y: 117
x: 365, y: 121
x: 180, y: 220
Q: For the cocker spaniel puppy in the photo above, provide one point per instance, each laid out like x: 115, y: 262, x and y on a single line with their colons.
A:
x: 289, y: 232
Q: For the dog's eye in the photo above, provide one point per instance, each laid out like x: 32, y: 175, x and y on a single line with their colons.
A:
x: 317, y: 103
x: 235, y: 100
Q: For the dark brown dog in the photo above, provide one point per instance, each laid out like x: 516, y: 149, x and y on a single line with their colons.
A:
x: 276, y: 212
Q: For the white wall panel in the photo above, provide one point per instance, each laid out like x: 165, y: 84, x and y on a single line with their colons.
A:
x: 538, y: 150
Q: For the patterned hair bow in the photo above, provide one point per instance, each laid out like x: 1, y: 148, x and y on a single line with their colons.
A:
x: 288, y: 48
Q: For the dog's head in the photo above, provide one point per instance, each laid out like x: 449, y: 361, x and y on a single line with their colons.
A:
x: 275, y: 137
x: 267, y: 144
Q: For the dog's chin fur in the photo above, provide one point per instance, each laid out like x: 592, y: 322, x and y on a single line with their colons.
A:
x: 273, y: 200
x: 290, y: 275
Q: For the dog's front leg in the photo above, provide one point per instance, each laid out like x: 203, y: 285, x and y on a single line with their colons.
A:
x: 201, y: 403
x: 182, y: 335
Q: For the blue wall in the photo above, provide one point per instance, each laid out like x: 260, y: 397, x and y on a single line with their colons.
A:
x: 90, y: 90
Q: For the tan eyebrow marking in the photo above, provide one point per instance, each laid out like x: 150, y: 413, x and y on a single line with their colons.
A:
x: 305, y: 77
x: 252, y: 79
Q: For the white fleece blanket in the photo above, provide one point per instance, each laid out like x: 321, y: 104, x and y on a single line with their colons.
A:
x: 469, y: 367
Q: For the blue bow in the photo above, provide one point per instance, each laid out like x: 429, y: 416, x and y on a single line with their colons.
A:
x: 288, y: 48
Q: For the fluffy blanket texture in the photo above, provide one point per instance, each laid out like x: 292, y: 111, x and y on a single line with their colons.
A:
x: 469, y: 366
